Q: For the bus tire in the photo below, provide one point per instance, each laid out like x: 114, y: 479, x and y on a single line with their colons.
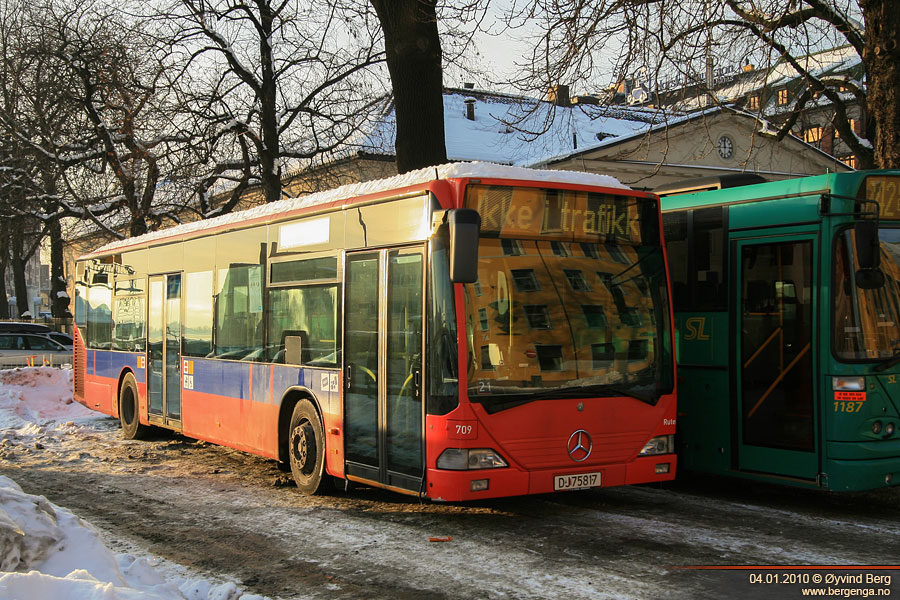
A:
x: 306, y: 448
x: 128, y: 410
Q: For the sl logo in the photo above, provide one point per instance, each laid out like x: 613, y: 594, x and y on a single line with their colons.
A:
x: 695, y: 329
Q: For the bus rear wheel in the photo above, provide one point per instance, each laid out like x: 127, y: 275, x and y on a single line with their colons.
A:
x: 128, y: 410
x: 306, y: 448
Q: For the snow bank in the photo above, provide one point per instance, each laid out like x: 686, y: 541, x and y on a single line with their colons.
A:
x: 31, y: 398
x: 47, y: 552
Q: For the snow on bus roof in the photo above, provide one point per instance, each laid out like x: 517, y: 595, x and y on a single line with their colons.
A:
x: 481, y: 170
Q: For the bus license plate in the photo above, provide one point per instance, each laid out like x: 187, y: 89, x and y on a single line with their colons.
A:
x: 576, y: 482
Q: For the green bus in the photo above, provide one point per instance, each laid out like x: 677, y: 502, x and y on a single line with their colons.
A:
x: 787, y: 309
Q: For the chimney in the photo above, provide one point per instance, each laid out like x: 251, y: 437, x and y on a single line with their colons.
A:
x: 559, y: 94
x: 469, y: 86
x: 470, y: 108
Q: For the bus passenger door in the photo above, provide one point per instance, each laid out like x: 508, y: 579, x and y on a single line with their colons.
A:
x: 776, y: 410
x: 383, y: 409
x: 164, y: 349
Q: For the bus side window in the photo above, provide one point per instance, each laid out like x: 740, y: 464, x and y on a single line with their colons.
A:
x: 708, y: 250
x: 303, y: 325
x: 675, y: 226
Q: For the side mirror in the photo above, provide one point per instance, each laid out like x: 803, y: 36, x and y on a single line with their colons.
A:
x: 868, y: 249
x: 465, y: 225
x: 869, y: 279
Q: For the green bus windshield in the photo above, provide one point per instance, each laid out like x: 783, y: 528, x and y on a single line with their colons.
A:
x: 867, y: 322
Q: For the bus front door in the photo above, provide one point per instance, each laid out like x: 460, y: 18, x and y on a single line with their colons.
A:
x: 776, y: 412
x: 164, y: 350
x: 383, y: 408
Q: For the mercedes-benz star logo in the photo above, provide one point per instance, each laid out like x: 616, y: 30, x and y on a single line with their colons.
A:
x: 580, y: 445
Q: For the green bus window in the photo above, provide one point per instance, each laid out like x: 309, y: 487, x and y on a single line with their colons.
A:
x: 675, y: 226
x: 866, y: 322
x: 708, y: 250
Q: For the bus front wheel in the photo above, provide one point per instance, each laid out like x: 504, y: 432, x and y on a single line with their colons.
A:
x: 307, y: 448
x: 128, y: 410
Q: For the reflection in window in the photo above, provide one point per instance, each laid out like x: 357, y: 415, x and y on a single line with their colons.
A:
x: 511, y: 247
x: 866, y: 322
x: 637, y: 349
x: 239, y: 313
x: 198, y: 314
x: 550, y: 358
x: 590, y: 250
x: 594, y: 316
x: 560, y: 249
x: 602, y: 355
x: 483, y: 319
x: 99, y: 314
x: 486, y: 363
x: 303, y: 325
x: 525, y: 280
x: 553, y: 324
x: 538, y: 316
x: 130, y: 318
x: 576, y: 280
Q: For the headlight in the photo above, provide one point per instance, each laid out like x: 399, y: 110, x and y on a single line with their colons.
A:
x: 463, y: 459
x: 857, y: 384
x: 664, y: 444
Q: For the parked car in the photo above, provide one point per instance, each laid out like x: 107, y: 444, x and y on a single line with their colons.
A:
x: 31, y: 349
x: 63, y: 338
x: 23, y: 327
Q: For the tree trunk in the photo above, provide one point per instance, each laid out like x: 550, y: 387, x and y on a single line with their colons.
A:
x: 268, y: 156
x: 414, y: 56
x: 882, y: 60
x: 4, y: 263
x: 59, y: 301
x: 19, y: 260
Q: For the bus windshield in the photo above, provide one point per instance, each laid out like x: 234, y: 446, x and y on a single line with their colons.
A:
x: 573, y: 304
x: 867, y: 322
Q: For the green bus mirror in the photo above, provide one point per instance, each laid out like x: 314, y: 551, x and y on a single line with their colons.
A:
x: 867, y: 246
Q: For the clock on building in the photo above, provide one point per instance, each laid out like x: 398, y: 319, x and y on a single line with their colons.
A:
x: 725, y: 146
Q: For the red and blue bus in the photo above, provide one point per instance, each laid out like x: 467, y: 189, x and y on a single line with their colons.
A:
x: 458, y: 333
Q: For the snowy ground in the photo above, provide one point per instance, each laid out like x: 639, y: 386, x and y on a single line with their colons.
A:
x: 176, y: 518
x: 46, y: 552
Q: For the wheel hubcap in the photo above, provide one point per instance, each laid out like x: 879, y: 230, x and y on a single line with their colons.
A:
x: 302, y: 447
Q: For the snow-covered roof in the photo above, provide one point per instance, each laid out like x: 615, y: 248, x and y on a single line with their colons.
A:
x: 481, y: 170
x: 514, y: 130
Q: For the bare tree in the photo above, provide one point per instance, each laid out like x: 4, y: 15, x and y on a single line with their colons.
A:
x: 271, y: 84
x: 602, y: 42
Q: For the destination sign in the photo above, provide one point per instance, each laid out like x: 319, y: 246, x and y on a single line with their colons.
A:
x: 885, y: 189
x: 524, y: 212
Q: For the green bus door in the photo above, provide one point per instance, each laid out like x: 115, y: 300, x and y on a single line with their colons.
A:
x: 383, y: 408
x: 776, y: 412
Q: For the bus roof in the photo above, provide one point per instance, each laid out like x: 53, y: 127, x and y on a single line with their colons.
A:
x: 834, y: 183
x: 355, y: 190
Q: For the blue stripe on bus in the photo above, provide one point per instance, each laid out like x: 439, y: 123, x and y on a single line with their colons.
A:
x: 110, y: 364
x: 230, y: 379
x: 233, y: 380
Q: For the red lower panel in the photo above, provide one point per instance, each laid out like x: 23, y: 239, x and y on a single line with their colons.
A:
x: 241, y: 424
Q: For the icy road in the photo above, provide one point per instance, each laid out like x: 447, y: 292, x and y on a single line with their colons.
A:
x: 222, y: 512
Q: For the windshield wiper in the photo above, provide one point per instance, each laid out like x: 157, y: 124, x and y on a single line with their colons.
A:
x: 887, y: 363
